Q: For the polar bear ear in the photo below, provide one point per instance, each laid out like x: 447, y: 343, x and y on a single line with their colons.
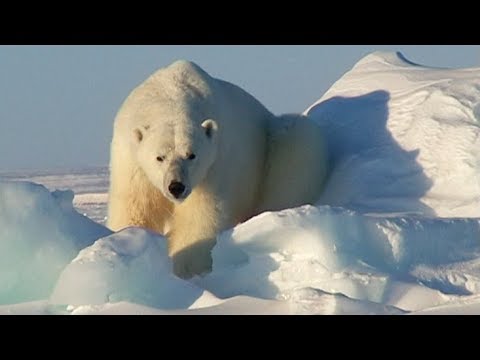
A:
x: 139, y: 133
x: 210, y: 127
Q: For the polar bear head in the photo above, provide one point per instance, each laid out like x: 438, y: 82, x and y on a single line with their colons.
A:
x: 176, y: 156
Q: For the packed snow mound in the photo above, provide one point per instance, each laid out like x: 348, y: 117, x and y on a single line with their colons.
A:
x: 131, y: 265
x: 403, y: 138
x: 40, y: 233
x: 308, y: 260
x: 406, y: 262
x: 468, y: 306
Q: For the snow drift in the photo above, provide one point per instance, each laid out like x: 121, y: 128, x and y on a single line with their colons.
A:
x: 40, y: 233
x: 403, y: 137
x: 131, y: 265
x: 396, y: 231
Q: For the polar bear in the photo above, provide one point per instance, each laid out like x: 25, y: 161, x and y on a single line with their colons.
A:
x: 192, y: 155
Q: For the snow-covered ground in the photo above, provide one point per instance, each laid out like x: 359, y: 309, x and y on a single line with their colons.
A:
x: 90, y: 186
x: 397, y: 230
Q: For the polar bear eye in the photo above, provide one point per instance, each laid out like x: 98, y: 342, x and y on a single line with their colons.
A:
x: 160, y: 158
x: 191, y: 156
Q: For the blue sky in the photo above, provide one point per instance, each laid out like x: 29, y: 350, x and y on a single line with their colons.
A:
x: 58, y: 103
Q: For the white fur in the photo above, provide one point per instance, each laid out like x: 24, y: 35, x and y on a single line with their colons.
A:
x: 296, y: 165
x: 246, y: 161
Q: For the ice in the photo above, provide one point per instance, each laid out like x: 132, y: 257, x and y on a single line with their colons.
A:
x: 365, y: 257
x: 403, y: 138
x: 90, y: 186
x: 40, y: 233
x: 130, y: 265
x: 240, y: 305
x: 308, y: 260
x: 469, y: 305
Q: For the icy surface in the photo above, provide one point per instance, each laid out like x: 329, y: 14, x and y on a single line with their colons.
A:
x: 40, y: 233
x: 403, y: 138
x: 90, y: 186
x: 406, y: 262
x: 131, y: 265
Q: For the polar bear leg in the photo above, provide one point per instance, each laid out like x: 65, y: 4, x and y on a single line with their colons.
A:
x: 195, y: 224
x: 136, y: 202
x: 296, y: 164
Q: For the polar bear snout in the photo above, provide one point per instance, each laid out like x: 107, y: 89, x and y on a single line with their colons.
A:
x: 176, y: 188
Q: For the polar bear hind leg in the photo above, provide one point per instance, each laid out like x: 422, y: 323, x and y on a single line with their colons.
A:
x: 296, y: 165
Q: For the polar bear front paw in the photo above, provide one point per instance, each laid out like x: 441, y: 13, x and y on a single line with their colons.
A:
x: 193, y: 260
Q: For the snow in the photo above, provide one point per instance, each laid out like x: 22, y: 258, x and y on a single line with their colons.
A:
x: 40, y: 233
x: 90, y: 186
x: 131, y: 265
x: 396, y: 231
x: 403, y: 138
x: 380, y: 259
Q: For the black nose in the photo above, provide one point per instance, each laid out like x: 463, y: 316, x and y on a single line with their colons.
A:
x: 176, y: 189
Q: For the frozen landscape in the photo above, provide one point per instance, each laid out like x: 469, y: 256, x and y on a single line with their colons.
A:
x: 397, y: 230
